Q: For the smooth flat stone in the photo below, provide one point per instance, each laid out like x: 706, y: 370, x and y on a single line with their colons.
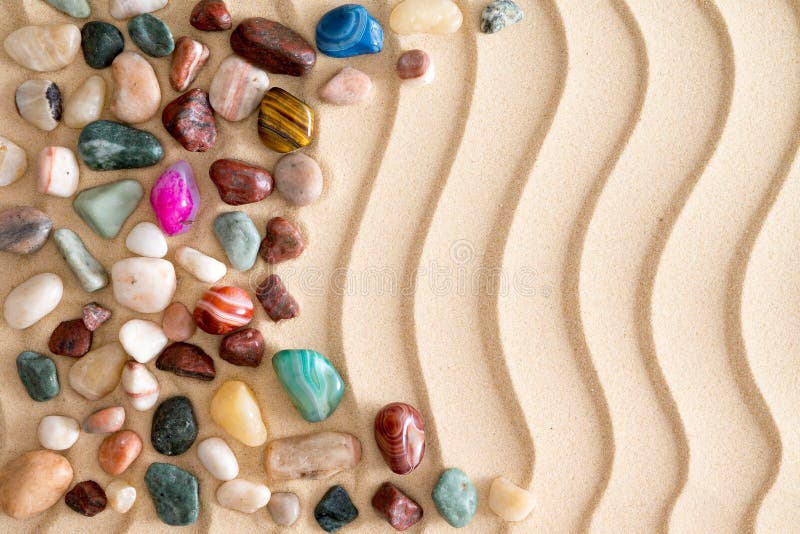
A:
x: 415, y: 67
x: 58, y: 172
x: 189, y: 119
x: 243, y: 496
x: 313, y: 456
x: 118, y: 451
x: 146, y: 239
x: 175, y: 493
x: 123, y: 9
x: 312, y: 382
x: 94, y: 315
x: 350, y: 86
x: 298, y: 179
x: 174, y: 428
x: 39, y: 103
x: 455, y: 497
x: 188, y: 59
x: 273, y: 47
x: 23, y: 230
x: 335, y: 510
x: 283, y: 241
x: 137, y: 94
x: 70, y: 338
x: 105, y: 421
x: 145, y: 285
x: 239, y: 183
x: 87, y: 498
x: 223, y: 309
x: 285, y: 123
x: 284, y: 508
x: 398, y: 509
x: 509, y: 501
x: 237, y: 88
x: 13, y: 162
x: 276, y: 300
x: 218, y: 459
x: 44, y: 48
x: 140, y: 385
x: 210, y: 16
x: 185, y: 359
x: 74, y: 8
x: 97, y: 374
x: 58, y: 432
x: 89, y: 272
x: 38, y: 375
x: 500, y: 14
x: 400, y: 436
x: 105, y: 208
x: 426, y: 16
x: 121, y: 495
x: 142, y: 340
x: 348, y: 31
x: 234, y: 407
x: 151, y: 35
x: 111, y: 146
x: 85, y: 105
x: 33, y: 482
x: 244, y: 348
x: 32, y: 300
x: 201, y: 266
x: 178, y: 323
x: 239, y: 237
x: 101, y: 43
x: 175, y: 198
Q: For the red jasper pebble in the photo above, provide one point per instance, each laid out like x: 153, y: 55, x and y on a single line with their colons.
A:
x: 87, y: 498
x: 190, y: 120
x: 273, y: 47
x: 275, y: 298
x: 185, y: 359
x: 239, y: 183
x: 71, y: 338
x: 400, y: 510
x: 245, y: 348
x: 282, y: 242
x: 210, y: 16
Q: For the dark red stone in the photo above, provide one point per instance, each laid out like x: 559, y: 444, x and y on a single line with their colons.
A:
x: 94, y: 315
x: 87, y: 498
x: 245, y: 347
x: 273, y: 47
x: 71, y: 338
x: 210, y: 16
x: 277, y: 301
x: 400, y: 510
x: 282, y: 242
x: 239, y: 183
x: 400, y: 436
x: 190, y: 120
x: 185, y: 359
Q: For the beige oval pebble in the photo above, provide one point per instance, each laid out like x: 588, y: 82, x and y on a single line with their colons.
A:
x: 58, y: 172
x: 85, y: 105
x: 315, y: 456
x: 298, y: 178
x: 142, y: 340
x: 33, y: 299
x: 243, y: 496
x: 58, y: 432
x: 145, y: 285
x: 350, y: 86
x: 123, y: 9
x: 33, y: 482
x: 237, y: 88
x: 121, y: 495
x: 13, y: 162
x: 203, y: 267
x: 97, y: 374
x: 426, y: 16
x: 137, y: 95
x: 178, y: 323
x: 218, y: 458
x: 284, y: 507
x: 509, y: 501
x: 44, y: 48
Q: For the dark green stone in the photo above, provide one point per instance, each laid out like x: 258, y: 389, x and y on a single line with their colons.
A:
x: 455, y: 497
x: 105, y: 208
x: 38, y: 374
x: 152, y: 35
x: 174, y: 492
x: 335, y: 510
x: 174, y: 426
x: 101, y: 43
x: 112, y: 146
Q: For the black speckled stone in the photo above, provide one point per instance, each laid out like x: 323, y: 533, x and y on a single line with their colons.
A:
x: 39, y: 376
x: 335, y: 510
x: 174, y: 426
x: 101, y: 43
x: 174, y: 492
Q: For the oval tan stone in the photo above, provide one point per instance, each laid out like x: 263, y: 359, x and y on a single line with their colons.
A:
x: 33, y: 482
x: 315, y: 456
x: 86, y: 104
x: 97, y: 374
x: 44, y: 48
x: 137, y: 95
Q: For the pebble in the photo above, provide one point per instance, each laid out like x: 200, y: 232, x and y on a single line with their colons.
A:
x: 243, y: 496
x: 185, y: 359
x: 44, y: 48
x: 123, y: 9
x: 416, y: 68
x: 70, y: 338
x: 97, y: 374
x: 234, y: 407
x: 178, y: 324
x: 426, y: 16
x: 145, y: 285
x: 455, y: 497
x: 187, y: 60
x: 348, y: 31
x: 74, y: 8
x: 239, y: 183
x: 13, y: 162
x: 211, y: 15
x: 218, y: 459
x: 175, y: 199
x: 89, y: 272
x: 223, y: 309
x: 273, y: 47
x: 39, y: 103
x: 58, y: 432
x: 118, y: 451
x: 32, y: 300
x: 38, y: 375
x: 175, y: 493
x: 312, y: 382
x: 121, y: 495
x: 151, y: 35
x: 87, y: 498
x: 500, y: 14
x: 142, y: 340
x: 203, y: 267
x: 94, y: 315
x: 105, y: 208
x: 137, y: 95
x: 282, y: 242
x: 285, y: 123
x: 101, y: 43
x: 111, y: 146
x: 105, y: 421
x: 313, y: 456
x: 244, y: 348
x: 237, y: 88
x: 350, y: 86
x: 335, y: 510
x: 190, y: 120
x: 140, y: 386
x: 239, y: 237
x: 276, y: 300
x: 174, y: 426
x: 33, y: 482
x: 400, y: 436
x: 298, y: 178
x: 398, y: 509
x: 145, y: 239
x: 508, y: 500
x: 24, y: 230
x: 86, y: 104
x: 284, y: 507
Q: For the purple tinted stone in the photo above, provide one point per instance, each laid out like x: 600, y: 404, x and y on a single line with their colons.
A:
x: 176, y: 199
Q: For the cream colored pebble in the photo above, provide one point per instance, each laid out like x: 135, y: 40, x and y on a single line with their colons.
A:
x: 218, y: 458
x: 509, y: 501
x: 121, y: 495
x: 58, y: 432
x: 243, y: 495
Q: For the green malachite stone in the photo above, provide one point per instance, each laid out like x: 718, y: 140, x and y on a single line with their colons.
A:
x: 455, y: 497
x: 239, y: 237
x: 39, y: 376
x: 91, y: 275
x: 112, y: 146
x: 105, y: 208
x: 74, y: 8
x: 174, y: 492
x: 152, y: 35
x: 312, y: 382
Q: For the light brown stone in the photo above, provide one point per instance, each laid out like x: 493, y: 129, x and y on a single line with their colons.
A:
x: 33, y: 482
x: 350, y: 86
x: 137, y: 95
x: 178, y: 323
x: 315, y: 456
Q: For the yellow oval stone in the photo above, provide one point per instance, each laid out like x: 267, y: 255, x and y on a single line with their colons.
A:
x: 509, y: 501
x: 426, y: 16
x: 285, y: 123
x: 97, y: 374
x: 235, y: 409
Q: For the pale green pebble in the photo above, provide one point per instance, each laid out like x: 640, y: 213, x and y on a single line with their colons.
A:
x: 105, y: 208
x: 91, y: 275
x: 239, y: 237
x: 455, y: 497
x: 74, y: 8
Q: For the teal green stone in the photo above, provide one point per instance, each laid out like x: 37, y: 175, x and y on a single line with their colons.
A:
x: 174, y: 492
x: 312, y: 382
x: 455, y: 497
x: 105, y: 208
x: 112, y: 146
x: 152, y: 35
x: 74, y: 8
x: 239, y: 237
x: 38, y: 374
x: 91, y: 275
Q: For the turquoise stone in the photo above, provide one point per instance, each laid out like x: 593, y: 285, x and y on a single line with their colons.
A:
x: 112, y: 146
x: 91, y: 275
x: 312, y: 382
x: 455, y: 497
x: 174, y: 492
x: 105, y: 208
x: 239, y: 237
x: 38, y: 374
x: 349, y: 30
x: 74, y: 8
x: 151, y: 35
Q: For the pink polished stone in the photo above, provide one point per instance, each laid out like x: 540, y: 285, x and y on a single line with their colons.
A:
x: 175, y: 198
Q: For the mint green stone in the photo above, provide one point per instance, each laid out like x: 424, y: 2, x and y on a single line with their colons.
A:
x: 312, y: 382
x: 74, y: 8
x: 91, y: 275
x: 105, y: 208
x: 455, y: 497
x: 174, y: 492
x: 239, y: 237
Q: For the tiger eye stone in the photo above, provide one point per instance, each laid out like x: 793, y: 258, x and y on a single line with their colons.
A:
x: 285, y: 123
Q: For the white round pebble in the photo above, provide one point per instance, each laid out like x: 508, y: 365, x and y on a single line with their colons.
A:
x: 32, y: 300
x: 142, y: 340
x: 243, y: 495
x: 204, y: 268
x: 146, y: 239
x: 58, y: 432
x: 218, y: 459
x: 121, y: 495
x: 145, y: 285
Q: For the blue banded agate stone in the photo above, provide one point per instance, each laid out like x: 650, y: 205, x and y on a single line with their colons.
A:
x: 312, y: 382
x: 348, y: 31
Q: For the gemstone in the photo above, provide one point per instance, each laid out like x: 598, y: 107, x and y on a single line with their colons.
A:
x: 455, y: 497
x: 276, y: 300
x: 151, y: 35
x: 508, y: 500
x: 284, y: 507
x: 97, y: 374
x: 273, y: 47
x: 13, y: 162
x: 57, y: 432
x: 137, y: 95
x: 140, y: 386
x: 175, y: 198
x: 38, y: 375
x: 218, y: 459
x: 70, y: 338
x: 400, y: 435
x: 23, y: 230
x: 285, y: 123
x: 426, y: 16
x: 499, y: 14
x: 94, y: 315
x: 44, y: 48
x: 175, y: 493
x: 416, y: 67
x: 145, y: 239
x: 105, y: 208
x: 123, y: 9
x: 349, y: 86
x: 58, y: 172
x: 211, y: 15
x: 86, y: 103
x: 142, y: 340
x: 33, y: 299
x: 33, y: 482
x: 101, y: 43
x: 335, y: 510
x: 203, y: 267
x: 190, y: 120
x: 188, y: 59
x: 145, y: 285
x: 111, y: 146
x: 312, y: 382
x: 237, y: 88
x: 235, y: 409
x: 105, y: 420
x: 121, y: 495
x: 185, y: 359
x: 298, y: 178
x: 239, y: 237
x: 282, y: 242
x: 313, y: 456
x: 87, y: 498
x: 223, y: 309
x: 174, y: 426
x: 243, y: 496
x: 240, y: 183
x: 398, y: 509
x: 89, y: 272
x: 244, y: 348
x: 74, y: 8
x: 39, y: 103
x: 348, y: 31
x: 118, y: 451
x: 178, y: 323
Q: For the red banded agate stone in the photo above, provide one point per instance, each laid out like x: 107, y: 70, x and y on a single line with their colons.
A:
x: 223, y: 309
x: 400, y: 435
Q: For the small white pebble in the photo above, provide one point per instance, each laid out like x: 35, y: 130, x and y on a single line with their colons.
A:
x: 243, y: 495
x: 57, y: 432
x: 146, y: 239
x: 204, y: 268
x: 142, y: 340
x: 121, y: 495
x: 218, y: 458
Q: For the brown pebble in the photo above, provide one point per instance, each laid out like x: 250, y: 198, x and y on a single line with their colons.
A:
x: 350, y: 86
x: 298, y: 178
x: 239, y: 183
x: 118, y: 451
x: 87, y: 498
x: 71, y: 338
x: 178, y: 324
x: 187, y: 60
x: 245, y: 348
x: 413, y: 64
x: 211, y: 15
x: 33, y: 482
x: 23, y: 230
x: 94, y: 315
x: 275, y: 298
x: 397, y: 508
x: 282, y: 242
x: 185, y: 359
x: 105, y: 420
x: 190, y: 120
